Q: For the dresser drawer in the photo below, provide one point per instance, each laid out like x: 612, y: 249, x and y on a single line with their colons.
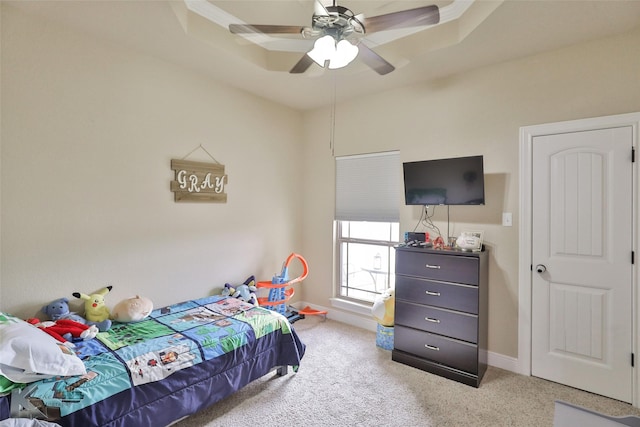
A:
x: 457, y: 354
x: 439, y: 294
x: 444, y: 322
x: 451, y: 268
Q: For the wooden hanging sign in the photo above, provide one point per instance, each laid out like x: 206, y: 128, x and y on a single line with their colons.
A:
x: 198, y: 182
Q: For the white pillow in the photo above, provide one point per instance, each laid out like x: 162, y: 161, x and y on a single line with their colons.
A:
x: 23, y: 422
x: 28, y: 354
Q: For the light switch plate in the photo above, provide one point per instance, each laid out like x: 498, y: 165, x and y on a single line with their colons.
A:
x: 507, y: 219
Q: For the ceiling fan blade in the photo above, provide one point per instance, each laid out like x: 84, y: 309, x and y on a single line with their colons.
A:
x: 427, y: 15
x: 375, y: 61
x: 319, y: 9
x: 302, y: 65
x: 264, y: 29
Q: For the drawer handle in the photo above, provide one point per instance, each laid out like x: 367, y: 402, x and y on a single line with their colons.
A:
x: 432, y: 347
x: 435, y: 267
x: 432, y: 320
x: 434, y: 294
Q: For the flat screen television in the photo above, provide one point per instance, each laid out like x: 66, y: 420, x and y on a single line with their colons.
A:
x: 455, y: 181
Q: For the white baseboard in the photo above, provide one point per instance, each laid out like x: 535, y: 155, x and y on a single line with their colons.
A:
x: 501, y: 361
x: 497, y: 360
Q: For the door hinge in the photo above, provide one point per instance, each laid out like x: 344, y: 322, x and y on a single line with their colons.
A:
x: 633, y: 155
x: 633, y: 257
x: 633, y: 360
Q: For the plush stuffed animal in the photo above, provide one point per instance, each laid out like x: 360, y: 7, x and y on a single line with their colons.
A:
x: 132, y: 309
x: 65, y: 330
x: 383, y: 308
x: 59, y: 309
x: 228, y: 290
x: 245, y: 292
x: 95, y: 310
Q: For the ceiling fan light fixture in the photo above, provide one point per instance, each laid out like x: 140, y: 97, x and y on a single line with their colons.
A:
x: 345, y: 53
x: 339, y: 54
x: 323, y: 50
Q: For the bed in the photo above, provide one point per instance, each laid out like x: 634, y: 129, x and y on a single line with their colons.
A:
x: 180, y: 360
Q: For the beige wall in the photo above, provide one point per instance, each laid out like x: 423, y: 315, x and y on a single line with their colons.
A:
x: 88, y: 132
x: 478, y: 112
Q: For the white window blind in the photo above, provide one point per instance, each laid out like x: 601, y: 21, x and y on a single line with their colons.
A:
x: 368, y: 187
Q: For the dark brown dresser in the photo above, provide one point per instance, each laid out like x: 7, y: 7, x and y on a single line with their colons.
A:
x: 441, y: 312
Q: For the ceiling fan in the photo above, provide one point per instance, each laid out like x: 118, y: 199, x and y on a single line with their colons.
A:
x: 338, y: 33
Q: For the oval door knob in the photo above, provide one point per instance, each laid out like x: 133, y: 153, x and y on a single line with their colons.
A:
x: 541, y: 268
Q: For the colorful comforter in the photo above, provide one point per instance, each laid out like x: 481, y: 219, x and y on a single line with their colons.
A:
x: 192, y: 345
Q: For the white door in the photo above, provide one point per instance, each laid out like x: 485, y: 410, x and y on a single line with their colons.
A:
x: 582, y: 260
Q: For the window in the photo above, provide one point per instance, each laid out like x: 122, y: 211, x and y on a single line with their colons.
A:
x: 367, y: 258
x: 368, y: 196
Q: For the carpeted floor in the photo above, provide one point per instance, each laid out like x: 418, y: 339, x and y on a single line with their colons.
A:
x: 345, y: 380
